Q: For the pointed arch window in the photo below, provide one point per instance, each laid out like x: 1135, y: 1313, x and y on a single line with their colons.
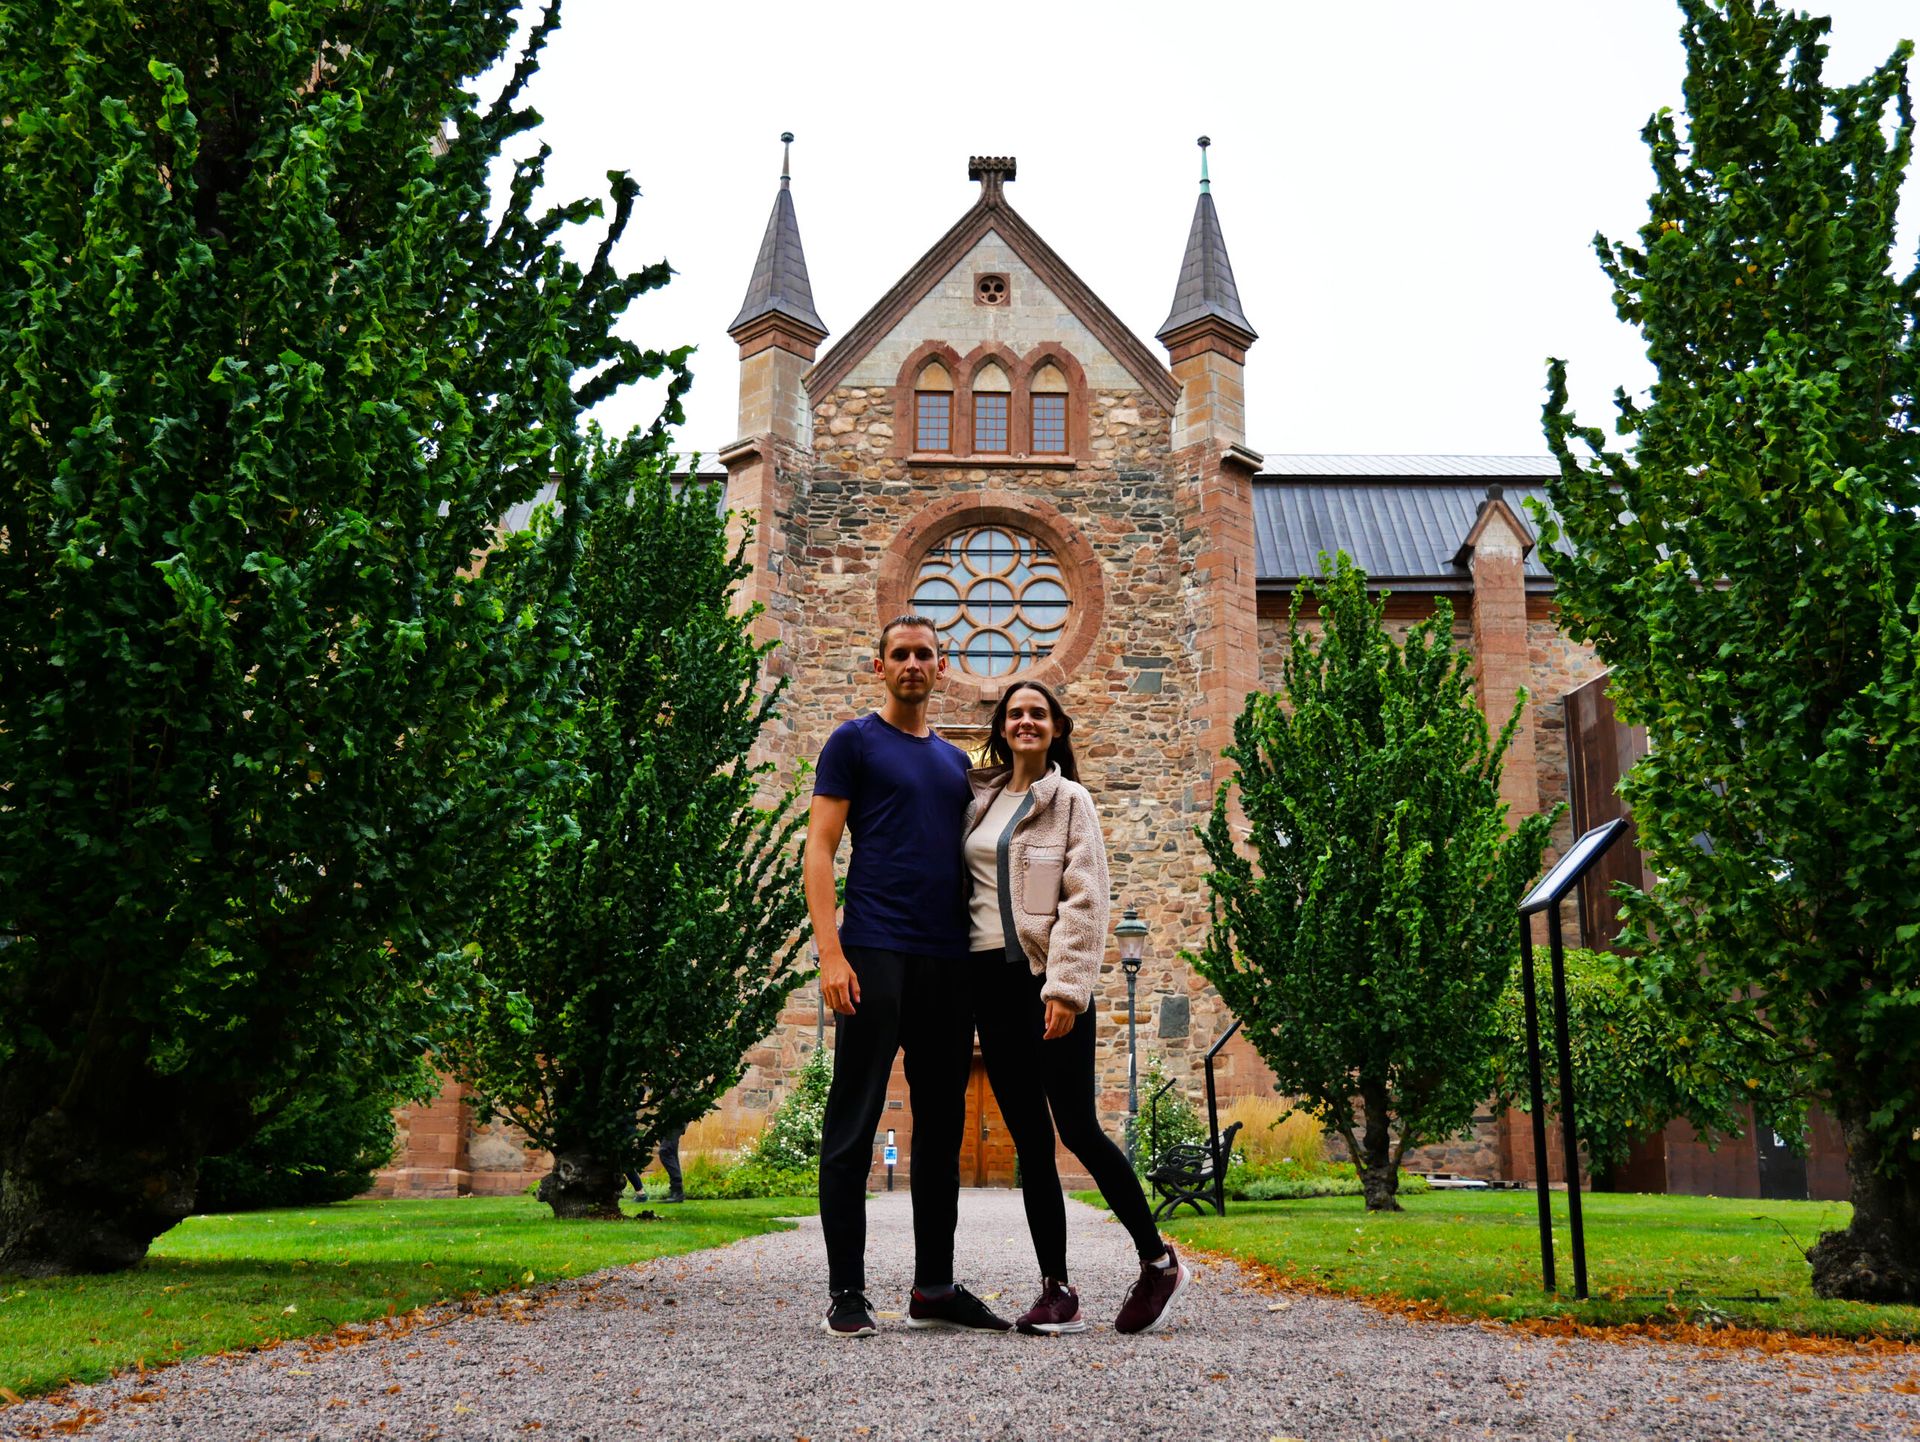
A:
x: 1050, y: 390
x: 933, y: 408
x: 992, y: 409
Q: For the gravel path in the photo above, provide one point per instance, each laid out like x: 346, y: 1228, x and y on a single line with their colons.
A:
x: 726, y: 1344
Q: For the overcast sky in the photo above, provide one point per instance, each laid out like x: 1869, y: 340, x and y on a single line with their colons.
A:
x: 1408, y: 188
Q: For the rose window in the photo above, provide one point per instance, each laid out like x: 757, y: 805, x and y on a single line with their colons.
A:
x: 997, y: 598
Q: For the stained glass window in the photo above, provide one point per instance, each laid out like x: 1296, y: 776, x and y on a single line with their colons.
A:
x: 996, y: 596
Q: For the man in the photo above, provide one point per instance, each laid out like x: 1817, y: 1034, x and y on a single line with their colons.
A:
x: 669, y: 1150
x: 894, y: 974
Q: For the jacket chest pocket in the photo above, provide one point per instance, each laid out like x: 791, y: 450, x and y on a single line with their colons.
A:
x: 1040, y: 882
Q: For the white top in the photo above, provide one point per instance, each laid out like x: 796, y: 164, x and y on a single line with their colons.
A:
x: 983, y: 865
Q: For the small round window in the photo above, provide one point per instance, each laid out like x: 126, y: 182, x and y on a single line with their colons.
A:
x: 997, y: 597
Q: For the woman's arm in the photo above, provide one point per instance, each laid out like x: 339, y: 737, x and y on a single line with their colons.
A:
x: 1079, y: 937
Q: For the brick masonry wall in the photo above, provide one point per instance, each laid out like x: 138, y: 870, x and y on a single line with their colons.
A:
x: 1133, y: 695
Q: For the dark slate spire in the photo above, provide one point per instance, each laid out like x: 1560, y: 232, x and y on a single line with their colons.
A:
x: 780, y: 285
x: 1206, y: 286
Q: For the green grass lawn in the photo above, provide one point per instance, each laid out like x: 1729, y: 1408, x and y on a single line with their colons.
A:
x: 219, y: 1282
x: 1650, y: 1259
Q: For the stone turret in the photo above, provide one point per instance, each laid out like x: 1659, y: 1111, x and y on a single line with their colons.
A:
x: 778, y: 330
x: 1207, y: 334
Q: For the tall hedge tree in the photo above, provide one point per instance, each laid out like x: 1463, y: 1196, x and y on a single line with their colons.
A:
x: 1365, y: 931
x: 271, y: 375
x: 648, y: 942
x: 1751, y: 573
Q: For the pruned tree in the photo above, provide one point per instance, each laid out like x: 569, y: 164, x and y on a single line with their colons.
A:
x: 1750, y: 571
x: 272, y: 374
x: 1364, y: 933
x: 648, y: 941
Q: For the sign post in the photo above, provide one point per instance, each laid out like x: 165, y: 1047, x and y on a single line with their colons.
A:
x: 1546, y: 896
x: 891, y: 1156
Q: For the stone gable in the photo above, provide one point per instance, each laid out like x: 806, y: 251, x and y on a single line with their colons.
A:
x: 1031, y: 315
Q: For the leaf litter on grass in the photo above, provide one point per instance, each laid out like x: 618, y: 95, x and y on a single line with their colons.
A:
x: 1680, y: 1330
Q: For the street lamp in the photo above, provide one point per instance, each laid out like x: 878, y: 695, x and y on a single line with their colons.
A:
x: 1132, y: 935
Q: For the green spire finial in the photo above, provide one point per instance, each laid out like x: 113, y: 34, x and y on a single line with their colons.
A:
x: 786, y: 157
x: 1206, y: 186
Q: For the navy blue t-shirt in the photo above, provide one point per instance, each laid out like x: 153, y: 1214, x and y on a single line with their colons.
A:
x: 907, y: 801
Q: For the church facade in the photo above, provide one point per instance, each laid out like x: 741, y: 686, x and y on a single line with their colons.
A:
x: 990, y: 446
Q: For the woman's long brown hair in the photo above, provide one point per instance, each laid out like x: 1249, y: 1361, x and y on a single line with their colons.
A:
x: 1059, y: 752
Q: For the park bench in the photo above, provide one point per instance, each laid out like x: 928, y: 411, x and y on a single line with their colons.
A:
x: 1193, y: 1174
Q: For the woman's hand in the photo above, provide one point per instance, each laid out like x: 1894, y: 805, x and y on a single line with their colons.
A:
x: 1060, y: 1019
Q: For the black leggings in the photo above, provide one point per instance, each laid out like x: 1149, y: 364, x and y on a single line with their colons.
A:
x: 1029, y: 1075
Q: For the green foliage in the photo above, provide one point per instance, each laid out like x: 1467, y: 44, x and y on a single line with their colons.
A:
x: 322, y: 1143
x: 1365, y: 940
x: 1289, y: 1181
x: 706, y: 1176
x: 1637, y: 1064
x: 1171, y: 1121
x: 648, y: 940
x: 790, y: 1141
x: 1751, y: 571
x: 275, y: 364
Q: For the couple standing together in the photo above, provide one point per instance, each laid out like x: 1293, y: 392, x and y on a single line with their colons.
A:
x: 974, y: 897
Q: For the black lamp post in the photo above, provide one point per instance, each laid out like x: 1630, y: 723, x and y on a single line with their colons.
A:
x: 1132, y: 934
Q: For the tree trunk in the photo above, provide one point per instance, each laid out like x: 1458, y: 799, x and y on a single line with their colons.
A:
x: 76, y: 1197
x: 581, y: 1187
x: 1877, y: 1258
x: 1379, y: 1173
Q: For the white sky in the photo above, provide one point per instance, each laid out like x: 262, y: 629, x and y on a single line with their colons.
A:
x: 1408, y: 188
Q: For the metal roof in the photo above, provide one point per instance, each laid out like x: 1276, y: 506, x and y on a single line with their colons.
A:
x: 1466, y: 467
x: 1405, y: 530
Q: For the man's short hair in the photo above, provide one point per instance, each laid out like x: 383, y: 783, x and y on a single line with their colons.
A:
x: 880, y: 646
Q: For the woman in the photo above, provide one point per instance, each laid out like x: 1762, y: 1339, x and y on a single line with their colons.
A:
x: 1038, y: 916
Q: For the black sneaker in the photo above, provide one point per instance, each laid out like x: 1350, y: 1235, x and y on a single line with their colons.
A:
x: 849, y: 1316
x: 958, y: 1311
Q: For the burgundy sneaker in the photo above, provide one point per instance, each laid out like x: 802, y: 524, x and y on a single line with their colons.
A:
x: 958, y: 1311
x: 1056, y: 1310
x: 1153, y: 1295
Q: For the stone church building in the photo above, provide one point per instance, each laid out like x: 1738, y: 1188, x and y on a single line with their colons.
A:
x: 989, y: 445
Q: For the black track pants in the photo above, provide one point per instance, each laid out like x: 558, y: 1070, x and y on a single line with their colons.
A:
x: 1031, y: 1076
x: 916, y: 1004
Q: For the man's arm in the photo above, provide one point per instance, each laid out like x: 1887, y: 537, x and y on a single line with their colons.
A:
x: 826, y: 823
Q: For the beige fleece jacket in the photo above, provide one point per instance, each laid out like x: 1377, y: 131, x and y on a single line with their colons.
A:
x: 1057, y: 872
